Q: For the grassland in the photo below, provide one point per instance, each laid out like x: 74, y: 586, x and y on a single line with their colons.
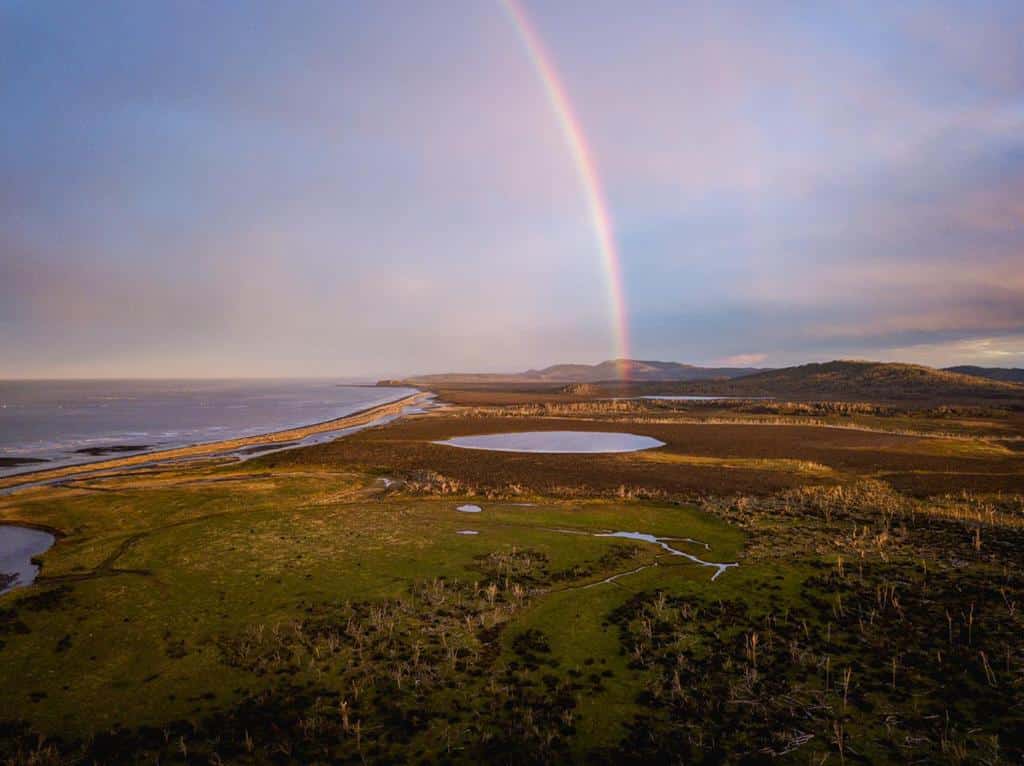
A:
x: 297, y: 608
x: 725, y: 452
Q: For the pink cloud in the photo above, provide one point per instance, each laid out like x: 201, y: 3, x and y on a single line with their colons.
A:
x: 741, y: 360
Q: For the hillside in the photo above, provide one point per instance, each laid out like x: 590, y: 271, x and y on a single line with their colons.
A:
x: 1005, y: 374
x: 846, y: 379
x: 611, y: 370
x: 841, y: 379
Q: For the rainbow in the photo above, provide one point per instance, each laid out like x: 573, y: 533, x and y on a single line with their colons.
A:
x: 586, y: 170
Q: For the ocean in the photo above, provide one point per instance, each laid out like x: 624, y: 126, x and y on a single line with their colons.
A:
x: 52, y: 423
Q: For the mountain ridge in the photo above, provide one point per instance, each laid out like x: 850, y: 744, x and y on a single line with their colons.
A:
x: 837, y: 379
x: 609, y: 370
x: 849, y: 378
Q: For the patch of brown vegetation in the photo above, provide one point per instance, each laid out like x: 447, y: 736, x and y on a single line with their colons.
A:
x: 407, y: 446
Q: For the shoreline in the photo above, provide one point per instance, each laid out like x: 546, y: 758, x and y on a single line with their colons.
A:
x: 210, y: 449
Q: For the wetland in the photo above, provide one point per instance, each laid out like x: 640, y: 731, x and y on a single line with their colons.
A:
x: 757, y: 587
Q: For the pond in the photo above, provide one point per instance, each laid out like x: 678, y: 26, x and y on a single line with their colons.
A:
x: 555, y: 442
x: 17, y: 547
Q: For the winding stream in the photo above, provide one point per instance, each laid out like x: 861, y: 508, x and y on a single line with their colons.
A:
x: 661, y: 542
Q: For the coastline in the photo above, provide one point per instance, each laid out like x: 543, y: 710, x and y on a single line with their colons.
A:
x: 210, y: 449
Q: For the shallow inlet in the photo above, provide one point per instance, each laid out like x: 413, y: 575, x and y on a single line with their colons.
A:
x: 17, y: 547
x: 555, y: 442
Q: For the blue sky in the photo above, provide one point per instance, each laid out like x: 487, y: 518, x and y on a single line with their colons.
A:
x: 221, y: 189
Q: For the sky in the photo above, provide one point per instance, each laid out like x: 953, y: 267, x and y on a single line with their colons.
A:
x: 215, y: 189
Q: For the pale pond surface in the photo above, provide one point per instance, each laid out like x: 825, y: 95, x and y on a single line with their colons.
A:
x: 469, y: 508
x: 17, y: 547
x: 555, y: 442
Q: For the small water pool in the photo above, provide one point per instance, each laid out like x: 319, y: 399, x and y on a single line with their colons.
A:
x: 469, y: 508
x: 17, y: 547
x: 555, y: 442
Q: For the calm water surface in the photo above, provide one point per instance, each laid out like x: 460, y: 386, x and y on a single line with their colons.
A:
x: 69, y: 422
x: 17, y: 547
x: 566, y: 442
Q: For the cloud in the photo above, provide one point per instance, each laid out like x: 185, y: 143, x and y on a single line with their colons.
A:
x: 986, y: 352
x: 742, y: 360
x: 347, y: 190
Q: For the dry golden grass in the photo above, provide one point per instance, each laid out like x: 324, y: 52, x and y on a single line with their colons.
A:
x: 786, y: 465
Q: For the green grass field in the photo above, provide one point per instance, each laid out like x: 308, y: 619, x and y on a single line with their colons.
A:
x: 148, y: 580
x: 300, y: 612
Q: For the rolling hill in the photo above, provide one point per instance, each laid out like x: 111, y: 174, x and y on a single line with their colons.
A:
x: 1005, y: 374
x: 835, y: 380
x: 849, y: 379
x: 611, y: 370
